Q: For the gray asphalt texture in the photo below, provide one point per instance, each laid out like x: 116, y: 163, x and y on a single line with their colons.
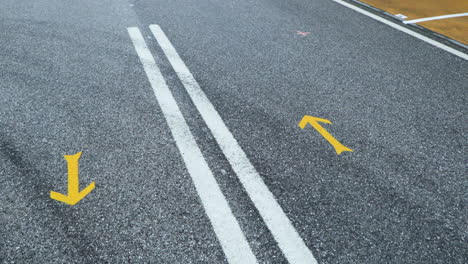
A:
x: 70, y: 81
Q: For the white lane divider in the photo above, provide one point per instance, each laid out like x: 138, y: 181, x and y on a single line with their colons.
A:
x: 289, y: 241
x: 225, y: 225
x: 403, y: 29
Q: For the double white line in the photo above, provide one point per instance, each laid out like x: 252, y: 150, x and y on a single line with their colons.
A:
x: 225, y: 225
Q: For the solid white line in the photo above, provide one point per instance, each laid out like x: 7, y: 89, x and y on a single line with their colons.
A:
x: 407, y: 31
x: 225, y: 225
x: 289, y: 241
x: 434, y: 18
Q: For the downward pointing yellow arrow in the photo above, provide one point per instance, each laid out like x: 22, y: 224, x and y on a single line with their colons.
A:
x: 314, y: 121
x: 74, y: 195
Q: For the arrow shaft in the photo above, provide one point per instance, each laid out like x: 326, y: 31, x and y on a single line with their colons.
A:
x: 325, y: 134
x: 332, y: 140
x: 73, y: 174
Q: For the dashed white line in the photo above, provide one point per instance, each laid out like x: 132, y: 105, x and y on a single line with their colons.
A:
x: 225, y: 225
x: 407, y: 31
x: 289, y: 241
x: 434, y: 18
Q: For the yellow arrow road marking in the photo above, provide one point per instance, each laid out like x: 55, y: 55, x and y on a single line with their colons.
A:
x: 74, y: 195
x: 314, y: 121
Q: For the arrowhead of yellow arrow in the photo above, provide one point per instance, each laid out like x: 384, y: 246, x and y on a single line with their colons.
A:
x: 74, y: 195
x: 314, y: 122
x: 72, y: 199
x: 311, y: 119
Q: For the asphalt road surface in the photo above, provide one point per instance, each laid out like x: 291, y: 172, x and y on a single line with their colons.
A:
x: 186, y: 114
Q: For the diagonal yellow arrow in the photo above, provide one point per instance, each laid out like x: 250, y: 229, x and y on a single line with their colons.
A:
x: 74, y: 195
x: 314, y: 121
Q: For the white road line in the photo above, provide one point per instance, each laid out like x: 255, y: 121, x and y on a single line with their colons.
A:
x: 225, y: 225
x: 407, y: 31
x: 289, y: 241
x: 434, y: 18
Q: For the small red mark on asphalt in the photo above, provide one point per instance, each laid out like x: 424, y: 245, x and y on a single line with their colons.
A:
x: 302, y: 33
